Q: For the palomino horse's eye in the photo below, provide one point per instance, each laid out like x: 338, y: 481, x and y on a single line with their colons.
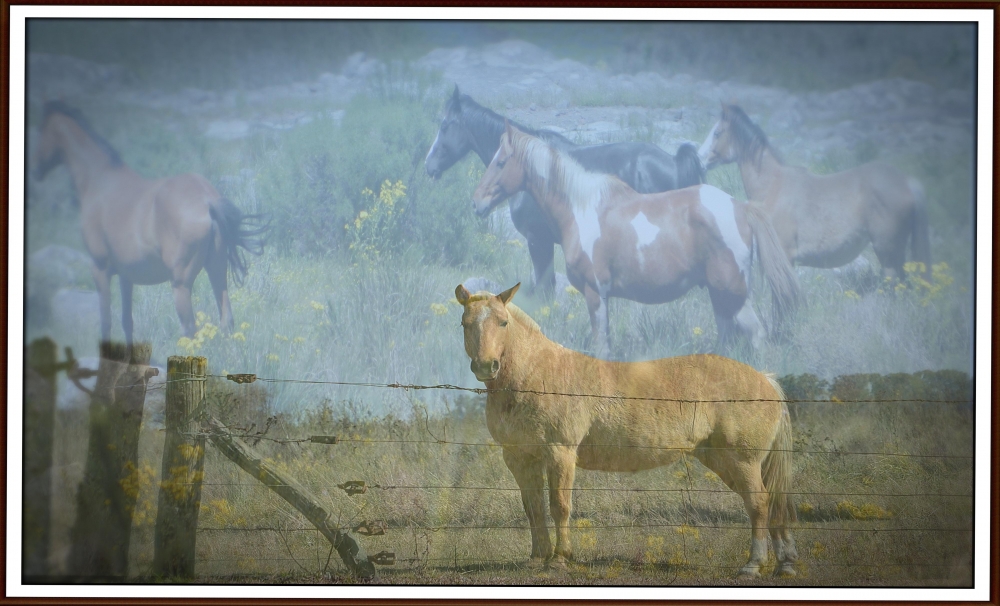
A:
x: 503, y: 324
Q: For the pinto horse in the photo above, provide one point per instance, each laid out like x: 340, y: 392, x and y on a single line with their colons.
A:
x: 146, y: 231
x: 553, y: 410
x: 824, y: 220
x: 650, y: 248
x: 468, y: 126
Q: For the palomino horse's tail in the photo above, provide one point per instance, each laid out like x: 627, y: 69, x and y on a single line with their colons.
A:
x: 921, y: 242
x: 777, y: 467
x: 778, y: 270
x: 239, y: 230
x: 689, y: 169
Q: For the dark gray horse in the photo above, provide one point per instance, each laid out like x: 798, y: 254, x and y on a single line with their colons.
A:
x: 468, y: 126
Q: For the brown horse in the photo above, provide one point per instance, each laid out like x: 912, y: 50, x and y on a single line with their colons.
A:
x: 146, y: 231
x: 552, y: 410
x: 650, y: 248
x: 824, y: 220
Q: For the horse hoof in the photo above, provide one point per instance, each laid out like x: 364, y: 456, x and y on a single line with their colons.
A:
x: 557, y: 563
x: 749, y: 571
x: 536, y: 563
x: 786, y: 570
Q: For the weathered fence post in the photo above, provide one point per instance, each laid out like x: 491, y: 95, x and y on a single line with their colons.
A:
x: 183, y: 470
x: 106, y: 500
x: 39, y: 413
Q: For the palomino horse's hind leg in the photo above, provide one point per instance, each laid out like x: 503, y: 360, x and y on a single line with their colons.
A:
x: 784, y: 551
x: 528, y: 473
x: 126, y: 288
x: 561, y: 471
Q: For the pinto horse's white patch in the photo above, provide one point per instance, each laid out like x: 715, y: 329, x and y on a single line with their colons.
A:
x: 720, y: 204
x: 706, y: 147
x: 645, y: 233
x: 589, y: 227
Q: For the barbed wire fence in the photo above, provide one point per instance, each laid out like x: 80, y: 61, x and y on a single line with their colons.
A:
x: 851, y: 522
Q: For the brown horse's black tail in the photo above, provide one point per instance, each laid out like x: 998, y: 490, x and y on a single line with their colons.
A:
x: 921, y: 242
x: 689, y: 169
x: 239, y: 231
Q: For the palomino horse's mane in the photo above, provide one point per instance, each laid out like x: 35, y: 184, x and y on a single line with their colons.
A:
x: 747, y: 136
x: 59, y: 107
x: 522, y: 318
x: 563, y: 174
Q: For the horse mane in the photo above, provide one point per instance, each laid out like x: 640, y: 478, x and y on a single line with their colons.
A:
x: 478, y: 116
x: 522, y: 317
x: 60, y: 107
x: 562, y: 173
x: 747, y: 136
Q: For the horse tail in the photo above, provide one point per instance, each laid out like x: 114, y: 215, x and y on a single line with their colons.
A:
x: 689, y: 169
x: 778, y: 270
x: 239, y: 231
x: 921, y: 242
x: 776, y: 469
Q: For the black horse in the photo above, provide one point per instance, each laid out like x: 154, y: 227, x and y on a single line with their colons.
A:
x: 468, y: 126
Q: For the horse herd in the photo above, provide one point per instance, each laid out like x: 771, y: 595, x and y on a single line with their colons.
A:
x: 633, y: 222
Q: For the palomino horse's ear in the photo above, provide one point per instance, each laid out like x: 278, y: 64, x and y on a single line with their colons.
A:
x: 508, y: 294
x: 461, y: 294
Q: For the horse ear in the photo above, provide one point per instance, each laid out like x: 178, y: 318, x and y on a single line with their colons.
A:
x: 461, y: 294
x: 455, y: 94
x: 508, y: 131
x: 508, y: 294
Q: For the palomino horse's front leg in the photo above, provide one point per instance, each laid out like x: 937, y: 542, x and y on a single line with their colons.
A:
x: 750, y: 486
x: 126, y: 288
x: 561, y: 471
x: 530, y: 478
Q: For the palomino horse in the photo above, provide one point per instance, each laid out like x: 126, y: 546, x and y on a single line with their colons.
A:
x: 824, y: 220
x: 146, y: 231
x: 644, y: 167
x: 552, y: 410
x: 650, y: 248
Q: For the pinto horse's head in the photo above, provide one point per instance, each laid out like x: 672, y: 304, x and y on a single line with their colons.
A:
x: 453, y: 139
x: 485, y: 319
x: 503, y: 177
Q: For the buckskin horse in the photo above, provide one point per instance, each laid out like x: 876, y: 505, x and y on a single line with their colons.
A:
x: 147, y: 231
x: 825, y: 220
x: 553, y: 410
x: 468, y: 126
x: 650, y: 248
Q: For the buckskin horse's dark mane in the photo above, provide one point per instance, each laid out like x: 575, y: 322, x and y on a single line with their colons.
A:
x: 60, y: 107
x: 748, y: 137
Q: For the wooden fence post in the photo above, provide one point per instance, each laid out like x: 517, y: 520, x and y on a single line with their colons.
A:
x: 183, y: 470
x: 106, y: 500
x: 39, y: 413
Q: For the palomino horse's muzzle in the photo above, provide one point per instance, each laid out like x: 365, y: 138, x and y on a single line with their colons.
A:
x: 485, y: 370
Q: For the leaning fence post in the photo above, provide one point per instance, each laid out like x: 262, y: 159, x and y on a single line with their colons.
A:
x: 183, y: 470
x: 107, y: 496
x: 39, y: 412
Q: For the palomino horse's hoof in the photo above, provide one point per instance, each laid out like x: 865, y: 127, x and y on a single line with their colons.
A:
x: 536, y: 563
x: 558, y: 563
x: 786, y: 570
x: 749, y: 571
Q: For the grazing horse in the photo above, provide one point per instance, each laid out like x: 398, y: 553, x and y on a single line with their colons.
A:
x: 644, y: 167
x: 650, y: 248
x: 824, y: 220
x: 553, y: 410
x: 146, y: 231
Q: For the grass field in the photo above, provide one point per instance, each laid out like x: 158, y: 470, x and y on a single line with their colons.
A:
x: 356, y: 285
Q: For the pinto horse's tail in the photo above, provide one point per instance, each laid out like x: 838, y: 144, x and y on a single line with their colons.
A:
x: 921, y: 242
x: 778, y: 270
x: 776, y: 469
x: 239, y: 231
x: 689, y: 169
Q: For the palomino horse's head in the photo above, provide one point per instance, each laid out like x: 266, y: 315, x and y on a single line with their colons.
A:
x: 453, y: 139
x: 485, y: 319
x: 48, y: 151
x: 502, y: 178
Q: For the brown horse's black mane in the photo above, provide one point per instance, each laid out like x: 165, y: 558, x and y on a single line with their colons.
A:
x: 749, y: 139
x: 59, y: 107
